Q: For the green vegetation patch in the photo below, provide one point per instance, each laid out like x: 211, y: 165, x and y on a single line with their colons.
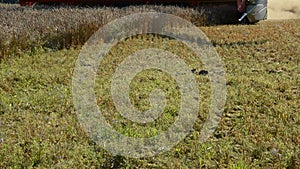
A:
x: 259, y: 128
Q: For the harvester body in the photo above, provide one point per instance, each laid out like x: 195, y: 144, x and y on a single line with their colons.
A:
x: 254, y: 10
x: 116, y: 2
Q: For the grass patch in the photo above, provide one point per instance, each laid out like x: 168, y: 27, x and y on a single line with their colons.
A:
x: 259, y: 128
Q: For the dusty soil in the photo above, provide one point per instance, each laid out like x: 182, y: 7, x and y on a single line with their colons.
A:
x: 284, y: 9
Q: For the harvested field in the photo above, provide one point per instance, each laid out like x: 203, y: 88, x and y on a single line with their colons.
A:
x: 288, y: 9
x: 39, y: 129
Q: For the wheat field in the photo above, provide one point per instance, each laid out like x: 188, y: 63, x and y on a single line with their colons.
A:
x: 39, y: 128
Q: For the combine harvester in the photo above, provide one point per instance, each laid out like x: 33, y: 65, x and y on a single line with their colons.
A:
x: 249, y: 11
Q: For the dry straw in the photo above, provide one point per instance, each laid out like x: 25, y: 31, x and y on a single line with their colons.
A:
x: 24, y: 29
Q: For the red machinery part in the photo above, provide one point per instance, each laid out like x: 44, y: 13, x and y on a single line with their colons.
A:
x: 241, y: 6
x: 191, y: 3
